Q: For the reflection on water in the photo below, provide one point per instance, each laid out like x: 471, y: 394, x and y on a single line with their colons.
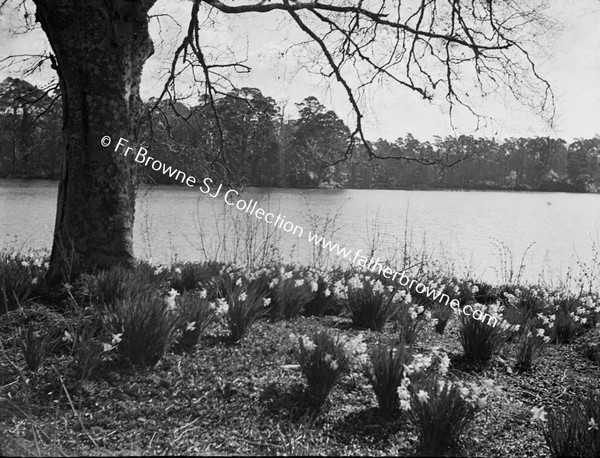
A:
x: 465, y: 227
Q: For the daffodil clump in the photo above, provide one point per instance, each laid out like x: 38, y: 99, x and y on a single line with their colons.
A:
x: 324, y: 358
x: 243, y: 303
x: 411, y: 318
x: 19, y: 275
x: 90, y: 349
x: 324, y: 301
x: 291, y: 290
x: 148, y: 324
x: 479, y: 340
x: 574, y: 431
x: 196, y: 315
x: 386, y: 371
x: 370, y: 303
x: 440, y: 409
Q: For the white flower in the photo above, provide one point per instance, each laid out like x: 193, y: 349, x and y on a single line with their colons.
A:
x: 190, y: 326
x: 540, y: 332
x: 299, y: 282
x: 67, y: 337
x: 171, y: 298
x: 25, y: 263
x: 308, y: 344
x: 222, y: 307
x: 378, y: 287
x: 327, y: 293
x: 37, y: 263
x: 464, y: 391
x: 116, y: 338
x: 107, y: 347
x: 238, y: 282
x: 314, y: 286
x: 538, y: 414
x: 34, y: 281
x: 405, y: 405
x: 593, y: 425
x: 355, y: 282
x: 177, y: 270
x: 243, y: 297
x: 288, y: 275
x: 266, y: 301
x: 423, y: 396
x: 203, y: 294
x: 444, y: 365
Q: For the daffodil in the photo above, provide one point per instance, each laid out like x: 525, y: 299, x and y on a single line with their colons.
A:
x: 423, y: 396
x: 538, y: 414
x: 116, y: 338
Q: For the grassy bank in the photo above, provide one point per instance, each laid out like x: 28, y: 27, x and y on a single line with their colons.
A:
x: 208, y: 358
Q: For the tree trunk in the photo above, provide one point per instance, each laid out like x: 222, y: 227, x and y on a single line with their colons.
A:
x: 100, y: 47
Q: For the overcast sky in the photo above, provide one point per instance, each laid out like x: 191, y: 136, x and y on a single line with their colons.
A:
x: 573, y: 69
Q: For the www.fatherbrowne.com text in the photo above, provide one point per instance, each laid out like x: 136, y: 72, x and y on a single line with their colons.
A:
x: 251, y: 207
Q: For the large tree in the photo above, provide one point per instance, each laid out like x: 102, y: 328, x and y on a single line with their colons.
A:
x: 454, y: 48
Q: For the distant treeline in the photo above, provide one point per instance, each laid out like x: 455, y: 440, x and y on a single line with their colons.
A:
x: 246, y: 135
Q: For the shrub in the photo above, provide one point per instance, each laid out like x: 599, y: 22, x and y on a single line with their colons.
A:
x: 196, y: 315
x: 241, y: 307
x: 481, y: 341
x: 35, y: 347
x: 576, y: 431
x: 147, y: 324
x: 410, y: 320
x: 386, y: 374
x: 370, y: 304
x: 290, y: 295
x: 324, y: 358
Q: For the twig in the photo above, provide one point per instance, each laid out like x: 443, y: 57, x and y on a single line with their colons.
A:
x: 73, y: 408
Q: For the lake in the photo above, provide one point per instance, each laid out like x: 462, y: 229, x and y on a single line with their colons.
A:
x: 469, y: 229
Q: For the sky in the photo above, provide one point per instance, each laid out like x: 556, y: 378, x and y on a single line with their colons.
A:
x: 571, y: 63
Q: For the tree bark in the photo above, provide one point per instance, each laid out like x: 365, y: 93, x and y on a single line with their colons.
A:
x: 100, y: 47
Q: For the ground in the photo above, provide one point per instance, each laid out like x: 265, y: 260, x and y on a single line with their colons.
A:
x: 245, y: 399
